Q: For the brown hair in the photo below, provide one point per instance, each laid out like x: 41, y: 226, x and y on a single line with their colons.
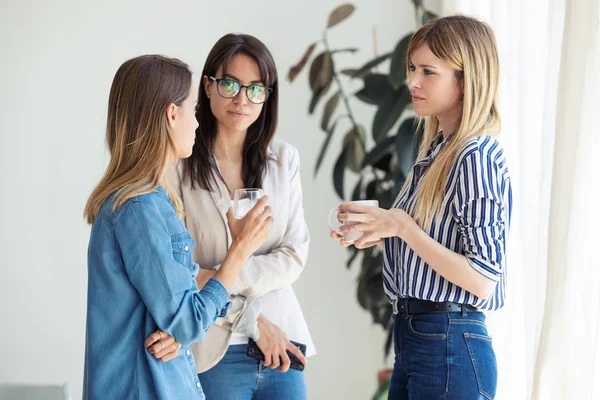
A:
x: 136, y: 132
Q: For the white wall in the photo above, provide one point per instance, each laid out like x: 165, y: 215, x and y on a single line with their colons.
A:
x: 58, y: 60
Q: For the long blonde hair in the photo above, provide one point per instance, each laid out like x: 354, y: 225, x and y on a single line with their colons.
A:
x: 137, y: 136
x: 469, y: 47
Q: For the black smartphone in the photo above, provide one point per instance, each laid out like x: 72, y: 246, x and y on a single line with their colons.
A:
x: 255, y: 352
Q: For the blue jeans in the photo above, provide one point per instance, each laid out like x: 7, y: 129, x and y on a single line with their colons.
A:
x: 443, y: 356
x: 239, y: 377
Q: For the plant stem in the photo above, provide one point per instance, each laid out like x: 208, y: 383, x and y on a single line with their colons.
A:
x: 418, y: 18
x: 341, y: 91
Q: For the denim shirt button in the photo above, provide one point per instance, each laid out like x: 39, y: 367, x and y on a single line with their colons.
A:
x: 197, y: 384
x: 186, y: 248
x: 187, y: 352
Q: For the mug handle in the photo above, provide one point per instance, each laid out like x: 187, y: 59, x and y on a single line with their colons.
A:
x: 329, y: 220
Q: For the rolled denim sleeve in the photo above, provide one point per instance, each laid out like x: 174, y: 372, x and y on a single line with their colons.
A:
x: 167, y: 287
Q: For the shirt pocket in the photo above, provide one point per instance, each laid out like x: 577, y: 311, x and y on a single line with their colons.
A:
x: 183, y: 245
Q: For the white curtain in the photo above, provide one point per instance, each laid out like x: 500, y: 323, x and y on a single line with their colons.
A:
x: 568, y: 363
x: 545, y: 337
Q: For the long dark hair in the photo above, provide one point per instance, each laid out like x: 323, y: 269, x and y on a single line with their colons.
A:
x: 201, y: 167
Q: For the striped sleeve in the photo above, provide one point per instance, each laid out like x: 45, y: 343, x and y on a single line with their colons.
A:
x: 481, y: 213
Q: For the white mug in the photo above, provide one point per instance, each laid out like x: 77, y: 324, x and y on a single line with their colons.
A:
x: 353, y: 235
x: 244, y: 200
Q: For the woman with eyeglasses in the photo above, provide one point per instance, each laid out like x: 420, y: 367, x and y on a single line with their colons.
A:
x: 237, y: 115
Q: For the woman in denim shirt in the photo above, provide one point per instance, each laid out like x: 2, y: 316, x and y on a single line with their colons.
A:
x: 141, y: 276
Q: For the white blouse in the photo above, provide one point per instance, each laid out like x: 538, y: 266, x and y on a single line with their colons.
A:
x: 264, y: 285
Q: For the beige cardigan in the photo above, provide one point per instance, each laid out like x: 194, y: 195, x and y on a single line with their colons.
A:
x: 264, y: 284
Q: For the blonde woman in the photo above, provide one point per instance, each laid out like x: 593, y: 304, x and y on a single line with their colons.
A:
x: 444, y: 238
x: 140, y: 270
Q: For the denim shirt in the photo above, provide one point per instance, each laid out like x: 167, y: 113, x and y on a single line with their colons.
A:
x: 141, y: 278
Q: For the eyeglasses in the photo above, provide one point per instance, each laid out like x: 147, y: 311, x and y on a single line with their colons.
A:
x: 228, y: 88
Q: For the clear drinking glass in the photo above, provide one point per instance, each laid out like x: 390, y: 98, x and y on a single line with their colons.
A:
x: 244, y: 200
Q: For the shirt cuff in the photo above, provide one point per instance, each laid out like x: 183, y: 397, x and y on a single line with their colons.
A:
x: 215, y: 291
x: 487, y: 269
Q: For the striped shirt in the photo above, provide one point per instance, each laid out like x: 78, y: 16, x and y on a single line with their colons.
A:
x: 474, y: 221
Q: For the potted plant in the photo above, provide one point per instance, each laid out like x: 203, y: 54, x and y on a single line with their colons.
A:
x: 381, y: 164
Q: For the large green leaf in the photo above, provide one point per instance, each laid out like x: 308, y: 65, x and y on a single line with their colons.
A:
x: 371, y: 190
x: 427, y: 15
x: 386, y: 198
x: 398, y: 64
x: 345, y: 50
x: 381, y: 149
x: 383, y: 390
x: 354, y: 142
x: 370, y: 65
x: 329, y: 109
x: 295, y: 70
x: 361, y: 292
x: 377, y: 87
x: 354, y: 252
x: 405, y: 145
x: 384, y: 163
x: 349, y: 71
x: 357, y: 190
x: 339, y: 14
x: 321, y: 72
x: 388, y: 342
x: 316, y: 97
x: 338, y: 173
x: 324, y: 148
x: 373, y: 280
x: 390, y: 109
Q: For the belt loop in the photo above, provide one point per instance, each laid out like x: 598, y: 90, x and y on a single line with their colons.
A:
x: 463, y: 310
x: 406, y: 310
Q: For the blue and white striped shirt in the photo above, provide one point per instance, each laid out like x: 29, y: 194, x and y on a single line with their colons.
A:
x: 474, y: 221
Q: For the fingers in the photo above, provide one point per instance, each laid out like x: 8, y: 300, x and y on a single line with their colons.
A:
x: 263, y: 229
x: 354, y: 208
x: 269, y: 222
x: 154, y: 337
x: 266, y: 214
x: 367, y: 240
x: 260, y: 206
x: 285, y: 361
x: 360, y: 227
x: 353, y: 217
x: 230, y: 216
x: 276, y: 357
x: 164, y: 345
x: 364, y: 245
x: 338, y: 236
x: 268, y: 359
x: 171, y: 355
x: 296, y: 351
x: 335, y: 235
